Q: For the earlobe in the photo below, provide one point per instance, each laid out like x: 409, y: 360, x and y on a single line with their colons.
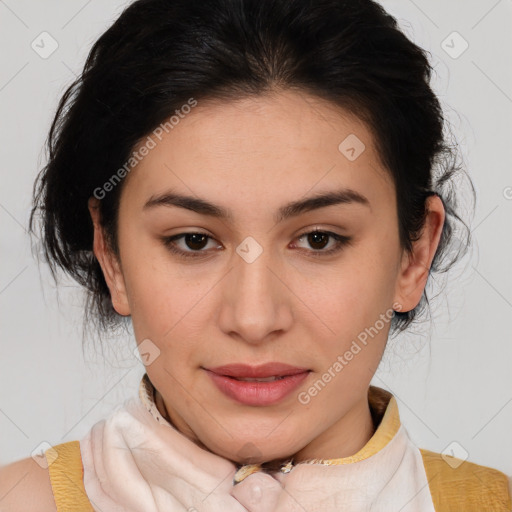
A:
x: 109, y: 262
x: 415, y: 265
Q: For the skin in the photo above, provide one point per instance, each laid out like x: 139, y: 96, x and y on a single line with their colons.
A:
x: 252, y: 157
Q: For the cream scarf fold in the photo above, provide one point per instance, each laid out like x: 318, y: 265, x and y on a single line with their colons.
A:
x: 136, y: 461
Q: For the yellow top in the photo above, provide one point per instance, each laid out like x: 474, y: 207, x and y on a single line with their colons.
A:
x: 454, y: 487
x: 66, y: 476
x: 466, y: 488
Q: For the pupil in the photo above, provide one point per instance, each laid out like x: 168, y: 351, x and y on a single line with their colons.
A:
x: 315, y: 237
x: 195, y: 238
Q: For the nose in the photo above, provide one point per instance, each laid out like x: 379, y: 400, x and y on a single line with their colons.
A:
x: 256, y: 300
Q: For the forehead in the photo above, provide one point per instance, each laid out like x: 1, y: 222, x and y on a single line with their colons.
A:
x: 270, y: 147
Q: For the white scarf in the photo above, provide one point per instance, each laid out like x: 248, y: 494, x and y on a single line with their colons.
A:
x: 136, y: 461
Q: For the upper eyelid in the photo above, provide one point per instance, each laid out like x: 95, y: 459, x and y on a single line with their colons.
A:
x: 302, y: 233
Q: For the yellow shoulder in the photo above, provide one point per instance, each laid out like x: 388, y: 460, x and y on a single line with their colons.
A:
x: 66, y: 475
x: 456, y: 485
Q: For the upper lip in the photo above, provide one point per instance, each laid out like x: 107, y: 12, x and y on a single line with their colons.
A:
x: 265, y: 370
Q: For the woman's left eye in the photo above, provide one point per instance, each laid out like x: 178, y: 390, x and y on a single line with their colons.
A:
x: 196, y: 243
x: 318, y: 239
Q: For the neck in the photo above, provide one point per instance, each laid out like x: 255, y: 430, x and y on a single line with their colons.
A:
x: 343, y: 439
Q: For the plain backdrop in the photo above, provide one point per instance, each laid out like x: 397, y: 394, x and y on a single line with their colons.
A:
x: 452, y: 379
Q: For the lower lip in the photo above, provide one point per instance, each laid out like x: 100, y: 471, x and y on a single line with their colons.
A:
x: 257, y: 393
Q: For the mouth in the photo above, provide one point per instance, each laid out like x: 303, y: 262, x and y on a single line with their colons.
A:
x: 263, y: 371
x: 261, y: 379
x: 257, y: 385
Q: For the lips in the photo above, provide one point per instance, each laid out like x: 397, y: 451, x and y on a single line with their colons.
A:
x: 266, y: 371
x: 262, y: 385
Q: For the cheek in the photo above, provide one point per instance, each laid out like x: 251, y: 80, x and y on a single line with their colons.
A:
x: 166, y: 305
x: 161, y: 313
x: 353, y: 299
x: 156, y: 294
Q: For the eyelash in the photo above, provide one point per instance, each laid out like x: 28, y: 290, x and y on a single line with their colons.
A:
x: 341, y: 242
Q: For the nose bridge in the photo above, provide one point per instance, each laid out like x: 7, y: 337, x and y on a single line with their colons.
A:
x: 252, y: 267
x: 254, y: 304
x: 252, y: 274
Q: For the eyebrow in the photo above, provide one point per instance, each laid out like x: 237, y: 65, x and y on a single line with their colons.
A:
x: 292, y: 209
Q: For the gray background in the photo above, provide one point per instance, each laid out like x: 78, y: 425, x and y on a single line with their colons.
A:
x: 451, y: 387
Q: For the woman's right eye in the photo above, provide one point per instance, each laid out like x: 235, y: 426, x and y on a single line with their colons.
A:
x: 194, y: 241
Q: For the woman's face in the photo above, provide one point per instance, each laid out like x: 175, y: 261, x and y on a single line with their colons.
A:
x: 256, y: 288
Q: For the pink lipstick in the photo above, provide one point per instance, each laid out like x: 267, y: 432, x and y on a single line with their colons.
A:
x: 261, y: 385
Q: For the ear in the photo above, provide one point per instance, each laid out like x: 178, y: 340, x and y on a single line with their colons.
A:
x: 415, y: 266
x: 109, y: 262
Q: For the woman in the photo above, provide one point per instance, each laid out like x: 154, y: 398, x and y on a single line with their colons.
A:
x: 263, y: 190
